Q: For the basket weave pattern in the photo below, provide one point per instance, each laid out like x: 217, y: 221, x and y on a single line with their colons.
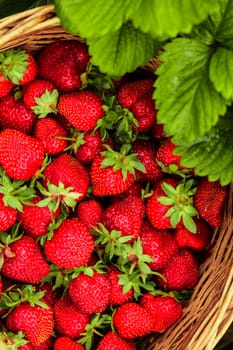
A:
x: 210, y: 310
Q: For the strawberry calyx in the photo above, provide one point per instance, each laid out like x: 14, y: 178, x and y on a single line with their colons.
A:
x: 15, y: 192
x: 14, y: 296
x: 13, y: 64
x: 99, y: 322
x: 180, y: 203
x: 12, y: 341
x: 173, y: 169
x: 46, y: 103
x: 122, y: 160
x: 109, y: 244
x: 5, y: 240
x: 56, y: 196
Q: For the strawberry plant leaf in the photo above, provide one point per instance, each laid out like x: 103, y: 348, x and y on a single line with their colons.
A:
x: 94, y: 17
x: 187, y: 101
x: 166, y: 18
x: 212, y: 155
x: 225, y: 30
x: 122, y: 51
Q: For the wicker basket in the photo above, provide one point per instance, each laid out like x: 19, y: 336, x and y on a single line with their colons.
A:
x: 210, y: 310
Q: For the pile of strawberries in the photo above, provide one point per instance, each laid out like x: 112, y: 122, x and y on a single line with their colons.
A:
x: 102, y: 228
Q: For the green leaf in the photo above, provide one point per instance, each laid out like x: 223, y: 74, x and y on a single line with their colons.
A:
x: 189, y: 223
x: 212, y: 155
x: 187, y: 101
x: 122, y: 51
x: 225, y: 32
x: 166, y: 18
x: 221, y: 73
x: 94, y: 18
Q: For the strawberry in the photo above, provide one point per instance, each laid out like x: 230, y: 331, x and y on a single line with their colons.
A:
x: 62, y: 62
x: 166, y: 156
x: 146, y: 154
x: 51, y: 134
x: 182, y: 272
x: 155, y: 211
x: 24, y: 261
x: 194, y: 241
x: 69, y: 321
x: 71, y: 246
x: 87, y: 146
x: 90, y: 294
x: 63, y: 342
x: 14, y: 115
x: 40, y: 96
x: 90, y: 212
x: 6, y: 85
x: 165, y: 310
x: 8, y: 215
x: 144, y: 111
x: 159, y: 244
x: 131, y: 91
x: 35, y: 321
x: 112, y: 341
x: 81, y: 108
x: 18, y: 65
x: 132, y: 320
x: 46, y: 345
x: 210, y: 199
x: 20, y: 163
x: 171, y: 204
x: 35, y: 220
x: 70, y: 172
x: 125, y: 216
x: 112, y: 172
x: 117, y: 296
x: 157, y: 131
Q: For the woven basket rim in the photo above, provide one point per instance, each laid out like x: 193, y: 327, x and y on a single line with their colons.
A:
x: 210, y: 310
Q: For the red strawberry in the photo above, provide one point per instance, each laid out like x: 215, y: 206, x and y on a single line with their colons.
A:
x: 14, y: 115
x: 70, y: 172
x: 8, y: 215
x: 112, y: 341
x: 51, y: 134
x: 166, y: 156
x: 171, y: 204
x: 132, y: 320
x: 182, y: 272
x: 20, y: 163
x: 159, y: 244
x: 46, y: 345
x: 61, y: 62
x: 71, y: 246
x: 194, y: 241
x: 51, y: 294
x: 117, y: 296
x: 131, y: 91
x: 69, y: 321
x: 210, y: 199
x: 155, y: 211
x: 35, y: 220
x: 24, y: 261
x: 81, y: 108
x: 18, y: 65
x: 90, y: 212
x: 62, y: 343
x: 125, y: 216
x: 6, y: 85
x: 35, y: 322
x: 165, y: 310
x: 157, y: 131
x: 146, y: 154
x: 87, y: 146
x: 90, y: 294
x: 144, y: 111
x: 40, y: 96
